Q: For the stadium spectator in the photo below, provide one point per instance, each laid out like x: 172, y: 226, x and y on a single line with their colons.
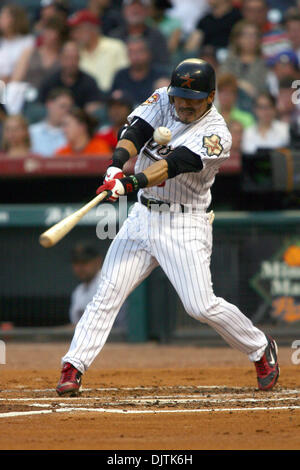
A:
x: 83, y: 87
x: 237, y: 131
x: 49, y: 9
x: 37, y: 62
x: 3, y: 116
x: 215, y: 27
x: 161, y: 82
x: 138, y: 79
x: 267, y: 132
x: 281, y: 66
x: 135, y: 14
x: 15, y: 38
x: 119, y: 107
x: 288, y: 107
x: 274, y: 38
x: 189, y: 13
x: 100, y: 56
x: 208, y: 53
x: 233, y: 164
x: 86, y: 266
x: 244, y: 59
x: 227, y: 101
x: 292, y: 25
x: 256, y: 11
x: 170, y: 27
x: 16, y: 137
x: 287, y: 103
x: 47, y: 136
x: 109, y: 15
x: 80, y: 131
x: 282, y: 5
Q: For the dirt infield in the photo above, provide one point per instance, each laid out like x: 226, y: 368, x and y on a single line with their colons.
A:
x: 147, y: 397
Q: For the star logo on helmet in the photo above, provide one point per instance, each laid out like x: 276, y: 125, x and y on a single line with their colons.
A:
x: 187, y: 80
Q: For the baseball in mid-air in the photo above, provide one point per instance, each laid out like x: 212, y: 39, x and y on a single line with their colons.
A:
x: 162, y: 135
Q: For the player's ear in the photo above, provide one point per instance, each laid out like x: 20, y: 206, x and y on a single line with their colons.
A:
x: 211, y: 97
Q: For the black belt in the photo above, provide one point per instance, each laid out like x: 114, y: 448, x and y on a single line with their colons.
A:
x: 161, y: 205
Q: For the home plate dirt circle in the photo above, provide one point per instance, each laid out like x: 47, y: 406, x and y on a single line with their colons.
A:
x: 135, y: 400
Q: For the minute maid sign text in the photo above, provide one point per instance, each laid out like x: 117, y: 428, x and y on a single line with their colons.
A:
x: 278, y: 282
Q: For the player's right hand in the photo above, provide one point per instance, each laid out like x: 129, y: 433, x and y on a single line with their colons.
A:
x: 115, y: 188
x: 113, y: 172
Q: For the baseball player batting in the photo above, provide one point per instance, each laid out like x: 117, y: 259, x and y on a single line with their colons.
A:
x: 169, y: 225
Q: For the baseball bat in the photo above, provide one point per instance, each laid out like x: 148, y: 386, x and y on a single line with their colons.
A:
x: 55, y: 233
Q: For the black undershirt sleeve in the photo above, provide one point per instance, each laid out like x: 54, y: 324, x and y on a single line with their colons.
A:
x: 138, y: 132
x: 183, y: 160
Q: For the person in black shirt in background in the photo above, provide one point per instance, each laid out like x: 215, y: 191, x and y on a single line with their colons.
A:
x: 138, y: 79
x: 83, y: 87
x: 215, y: 27
x: 135, y: 14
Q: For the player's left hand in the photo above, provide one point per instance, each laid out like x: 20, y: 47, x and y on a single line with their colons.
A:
x: 113, y: 172
x: 115, y: 187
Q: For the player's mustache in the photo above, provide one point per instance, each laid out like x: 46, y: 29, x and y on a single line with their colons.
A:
x: 182, y: 108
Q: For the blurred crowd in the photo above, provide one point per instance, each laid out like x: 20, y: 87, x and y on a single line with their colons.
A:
x: 71, y: 71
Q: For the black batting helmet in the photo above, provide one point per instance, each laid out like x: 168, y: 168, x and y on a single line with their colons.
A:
x: 192, y: 79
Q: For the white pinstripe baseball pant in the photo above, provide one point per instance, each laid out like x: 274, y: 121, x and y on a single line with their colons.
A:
x: 181, y: 244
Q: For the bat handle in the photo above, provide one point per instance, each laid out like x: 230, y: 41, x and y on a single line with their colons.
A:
x: 94, y: 202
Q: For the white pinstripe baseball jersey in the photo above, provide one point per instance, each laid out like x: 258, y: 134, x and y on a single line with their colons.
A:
x: 208, y: 137
x: 180, y: 242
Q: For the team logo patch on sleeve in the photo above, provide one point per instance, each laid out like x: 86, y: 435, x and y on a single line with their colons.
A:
x: 213, y: 145
x: 152, y: 99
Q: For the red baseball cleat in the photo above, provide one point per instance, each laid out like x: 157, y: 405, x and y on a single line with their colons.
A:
x: 267, y: 367
x: 70, y: 381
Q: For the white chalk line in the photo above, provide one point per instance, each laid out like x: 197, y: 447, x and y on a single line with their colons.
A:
x: 223, y: 398
x: 109, y: 410
x: 195, y: 400
x: 63, y: 406
x: 12, y: 414
x: 150, y: 400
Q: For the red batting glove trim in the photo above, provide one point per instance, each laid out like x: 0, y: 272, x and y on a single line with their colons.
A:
x: 108, y: 186
x: 118, y: 176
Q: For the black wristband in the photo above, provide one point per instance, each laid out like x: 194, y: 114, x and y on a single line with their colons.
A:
x: 120, y: 157
x: 140, y: 180
x: 134, y: 182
